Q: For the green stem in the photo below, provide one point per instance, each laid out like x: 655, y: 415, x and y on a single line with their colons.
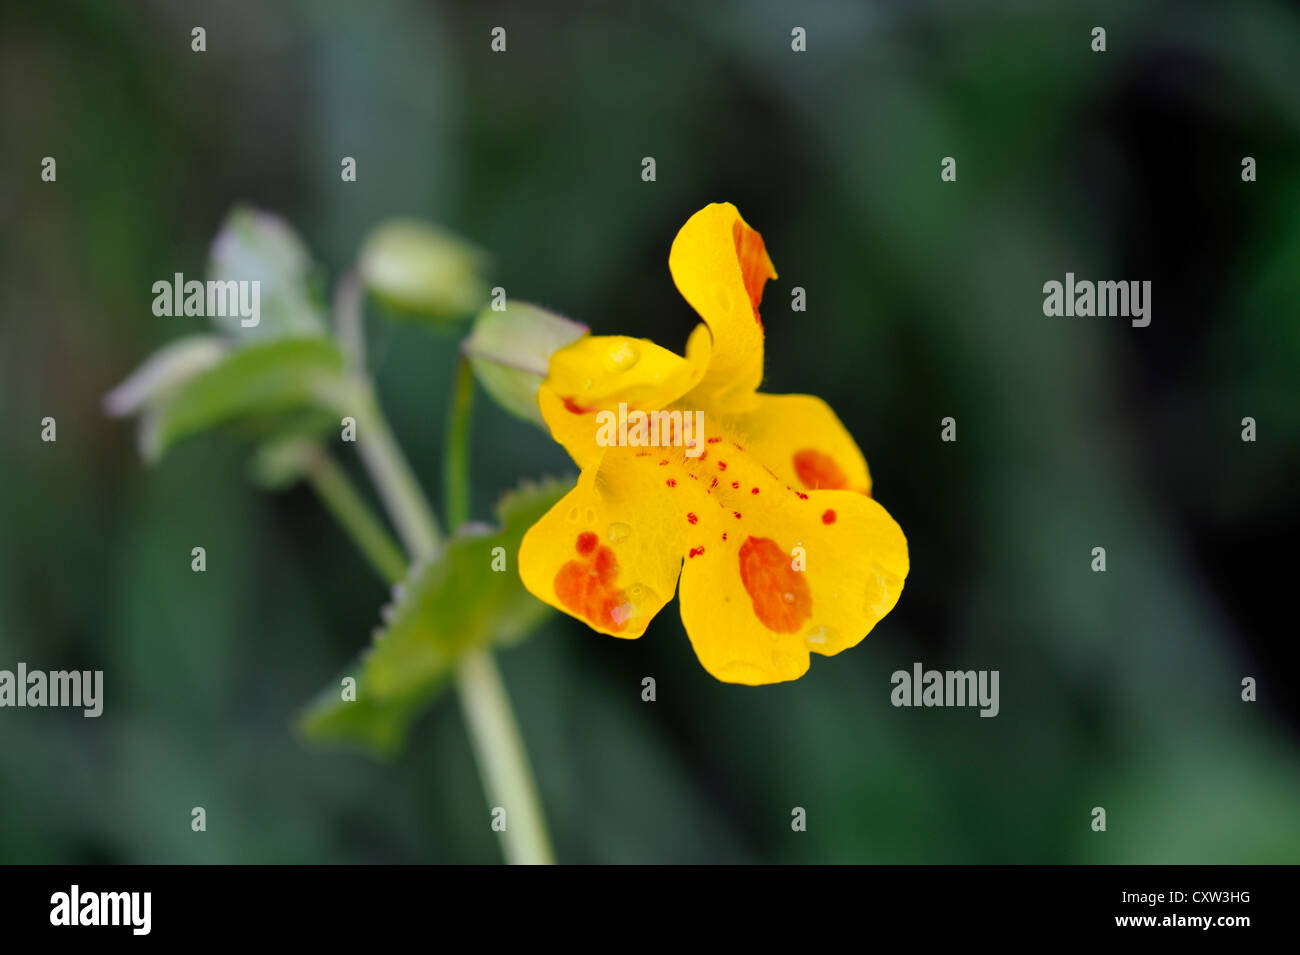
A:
x: 331, y: 483
x: 396, y: 483
x: 502, y: 760
x: 455, y: 459
x: 493, y: 730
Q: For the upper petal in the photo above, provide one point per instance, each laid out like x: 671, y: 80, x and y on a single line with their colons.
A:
x: 597, y: 373
x: 720, y: 266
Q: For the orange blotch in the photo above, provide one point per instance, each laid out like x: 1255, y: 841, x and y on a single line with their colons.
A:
x: 588, y: 587
x: 828, y: 517
x: 780, y: 594
x: 755, y: 266
x: 819, y: 471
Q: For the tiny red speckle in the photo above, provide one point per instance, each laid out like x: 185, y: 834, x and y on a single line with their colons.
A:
x: 724, y: 535
x: 736, y: 514
x: 663, y: 463
x: 587, y: 542
x: 714, y: 440
x: 671, y: 482
x: 643, y: 454
x: 722, y: 465
x: 736, y: 485
x: 714, y: 484
x: 692, y: 518
x: 828, y: 517
x: 704, y: 455
x: 696, y: 551
x: 802, y: 495
x: 737, y: 447
x: 753, y: 490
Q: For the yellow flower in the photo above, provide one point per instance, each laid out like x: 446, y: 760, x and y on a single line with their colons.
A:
x: 767, y: 518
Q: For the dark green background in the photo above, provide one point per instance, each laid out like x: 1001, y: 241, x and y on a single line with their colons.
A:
x: 1119, y: 690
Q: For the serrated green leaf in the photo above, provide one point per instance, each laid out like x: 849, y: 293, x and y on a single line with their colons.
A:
x: 443, y: 609
x: 163, y: 372
x: 291, y: 376
x: 257, y: 246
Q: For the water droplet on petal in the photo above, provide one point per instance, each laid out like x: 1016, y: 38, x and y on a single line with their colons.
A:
x: 573, y: 515
x: 590, y: 515
x: 818, y: 636
x: 881, y: 591
x: 619, y: 532
x: 788, y: 597
x: 622, y: 356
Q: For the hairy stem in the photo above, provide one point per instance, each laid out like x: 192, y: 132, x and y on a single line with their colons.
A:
x: 341, y: 498
x: 493, y: 730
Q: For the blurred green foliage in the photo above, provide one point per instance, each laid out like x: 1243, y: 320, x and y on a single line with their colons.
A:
x: 1119, y: 690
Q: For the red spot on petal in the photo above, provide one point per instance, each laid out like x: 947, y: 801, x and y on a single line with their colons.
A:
x: 817, y: 470
x: 724, y: 535
x: 802, y: 495
x: 703, y: 456
x: 714, y: 440
x: 753, y: 490
x: 671, y: 482
x: 692, y: 518
x: 828, y: 517
x: 574, y: 408
x: 779, y: 594
x: 663, y: 463
x: 736, y: 485
x: 696, y: 552
x: 587, y: 542
x: 714, y: 484
x: 722, y: 465
x: 736, y: 514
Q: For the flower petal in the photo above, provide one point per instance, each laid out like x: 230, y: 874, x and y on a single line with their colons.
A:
x: 754, y: 617
x: 720, y: 266
x: 605, y: 553
x: 595, y: 374
x: 800, y: 438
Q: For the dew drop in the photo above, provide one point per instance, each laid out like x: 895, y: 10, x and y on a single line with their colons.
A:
x: 622, y: 356
x: 788, y: 597
x: 818, y: 636
x: 619, y: 532
x: 573, y: 515
x: 590, y: 515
